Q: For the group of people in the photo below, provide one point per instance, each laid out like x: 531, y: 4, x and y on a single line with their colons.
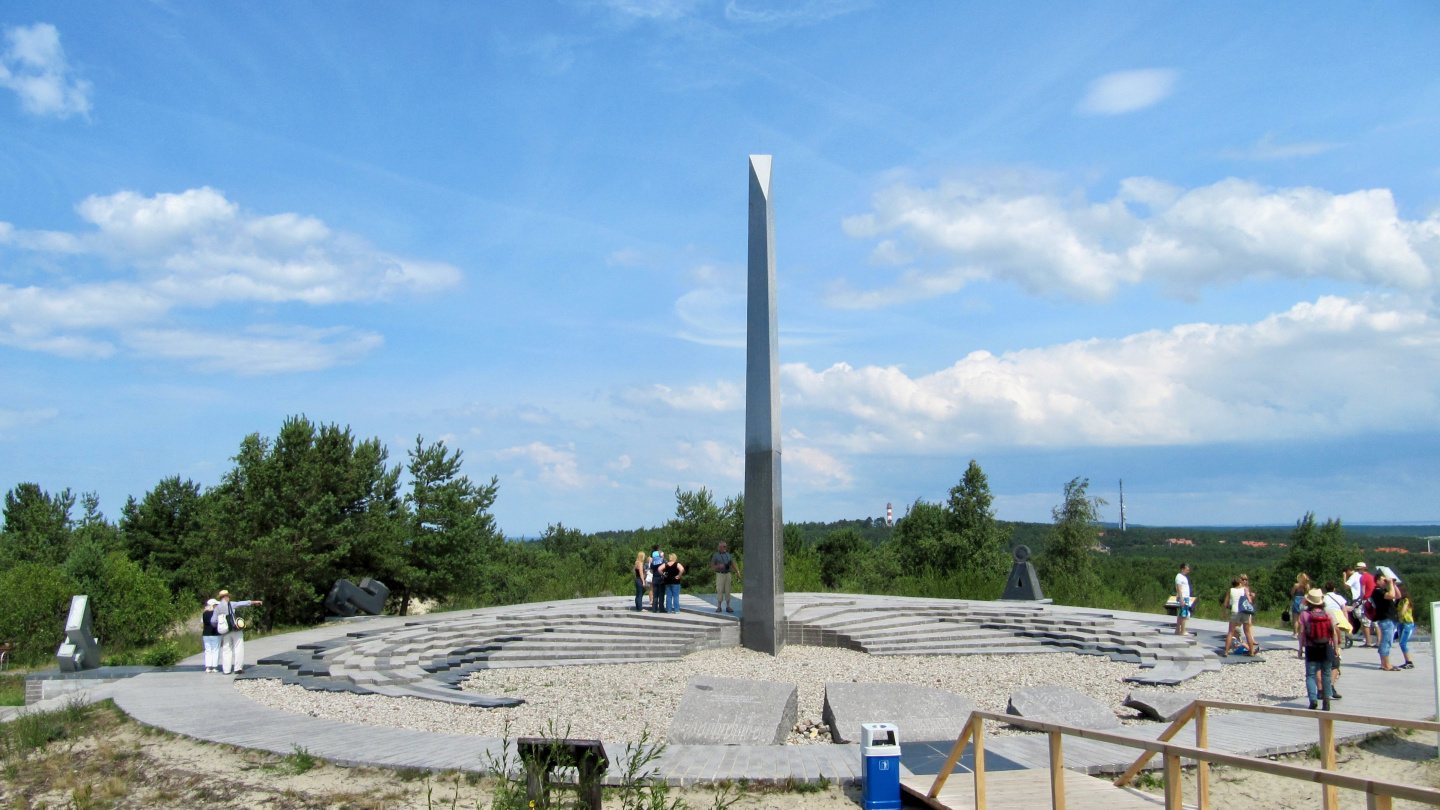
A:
x: 222, y: 631
x: 660, y: 577
x: 1376, y: 607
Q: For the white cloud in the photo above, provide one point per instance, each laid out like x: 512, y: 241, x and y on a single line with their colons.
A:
x: 1268, y: 149
x: 801, y: 12
x: 708, y: 459
x: 557, y: 466
x: 13, y: 419
x: 199, y: 249
x: 1333, y: 367
x: 816, y: 467
x: 722, y: 396
x: 620, y: 463
x: 653, y: 9
x: 34, y: 66
x: 1127, y: 91
x: 258, y: 349
x: 1149, y: 231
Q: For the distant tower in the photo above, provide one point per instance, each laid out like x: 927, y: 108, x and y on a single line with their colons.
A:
x: 889, y: 515
x: 1122, y: 504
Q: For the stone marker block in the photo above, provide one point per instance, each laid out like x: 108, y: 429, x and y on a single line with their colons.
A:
x: 1056, y: 704
x: 1159, y: 705
x: 921, y: 713
x: 80, y: 650
x: 727, y: 711
x: 346, y: 598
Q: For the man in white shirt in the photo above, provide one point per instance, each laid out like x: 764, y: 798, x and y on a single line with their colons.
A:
x: 1182, y: 598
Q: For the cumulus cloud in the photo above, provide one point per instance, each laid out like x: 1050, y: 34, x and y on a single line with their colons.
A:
x: 197, y: 249
x: 1127, y: 91
x: 1149, y: 231
x: 556, y: 466
x: 33, y: 65
x: 816, y: 468
x: 1336, y: 366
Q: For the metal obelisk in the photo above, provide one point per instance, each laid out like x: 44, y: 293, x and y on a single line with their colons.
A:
x: 762, y: 627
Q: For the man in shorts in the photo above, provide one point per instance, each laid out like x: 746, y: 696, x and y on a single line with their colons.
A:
x: 723, y: 565
x: 1182, y: 598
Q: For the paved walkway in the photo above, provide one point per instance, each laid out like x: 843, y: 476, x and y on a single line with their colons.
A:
x: 208, y: 707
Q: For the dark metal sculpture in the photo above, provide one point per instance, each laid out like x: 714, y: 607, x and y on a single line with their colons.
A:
x: 347, y: 598
x: 1023, y: 584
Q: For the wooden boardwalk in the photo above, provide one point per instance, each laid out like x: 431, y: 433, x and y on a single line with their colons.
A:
x: 1027, y: 790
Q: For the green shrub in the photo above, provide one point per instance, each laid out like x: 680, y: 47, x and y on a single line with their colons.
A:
x: 164, y: 654
x: 34, y: 599
x: 132, y: 607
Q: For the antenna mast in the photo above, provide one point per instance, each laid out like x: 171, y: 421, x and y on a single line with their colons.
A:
x: 1122, y: 504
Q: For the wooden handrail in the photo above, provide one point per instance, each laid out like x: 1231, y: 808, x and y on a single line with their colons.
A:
x: 1174, y: 752
x: 1317, y: 714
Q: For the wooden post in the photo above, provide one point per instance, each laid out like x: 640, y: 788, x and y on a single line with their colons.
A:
x: 1057, y: 771
x: 979, y: 736
x: 1376, y: 801
x: 1202, y: 768
x: 1165, y: 736
x: 955, y: 752
x: 1173, y: 783
x: 1330, y: 795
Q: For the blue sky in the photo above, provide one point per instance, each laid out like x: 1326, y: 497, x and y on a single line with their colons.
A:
x: 1193, y: 247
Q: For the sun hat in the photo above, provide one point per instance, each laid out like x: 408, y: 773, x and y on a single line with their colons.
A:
x: 1361, y: 565
x: 1315, y: 597
x: 212, y: 602
x: 222, y: 593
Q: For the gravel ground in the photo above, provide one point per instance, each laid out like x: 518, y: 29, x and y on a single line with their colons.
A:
x: 617, y: 702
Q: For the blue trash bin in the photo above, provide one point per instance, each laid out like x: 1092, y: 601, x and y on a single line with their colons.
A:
x: 880, y: 766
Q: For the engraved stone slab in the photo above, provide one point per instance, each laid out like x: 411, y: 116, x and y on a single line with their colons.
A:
x: 1056, y: 704
x: 727, y: 711
x: 921, y: 713
x: 1159, y: 705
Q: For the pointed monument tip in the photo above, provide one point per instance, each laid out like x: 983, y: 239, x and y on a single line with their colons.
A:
x: 760, y: 167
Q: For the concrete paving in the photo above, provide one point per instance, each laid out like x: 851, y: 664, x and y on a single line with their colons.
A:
x: 208, y: 707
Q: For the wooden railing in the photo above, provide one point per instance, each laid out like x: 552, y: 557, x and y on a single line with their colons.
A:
x: 1378, y: 794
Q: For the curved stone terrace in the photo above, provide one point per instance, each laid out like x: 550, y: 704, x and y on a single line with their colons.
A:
x: 425, y: 657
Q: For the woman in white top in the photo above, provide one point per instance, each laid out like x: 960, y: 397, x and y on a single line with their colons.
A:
x: 1240, y: 588
x: 232, y: 638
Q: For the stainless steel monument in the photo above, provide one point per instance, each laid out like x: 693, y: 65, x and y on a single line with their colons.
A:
x: 762, y: 624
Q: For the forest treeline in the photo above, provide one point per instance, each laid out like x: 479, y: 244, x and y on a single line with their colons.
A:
x: 314, y: 504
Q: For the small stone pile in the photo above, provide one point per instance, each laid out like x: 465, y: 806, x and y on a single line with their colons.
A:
x: 808, y: 731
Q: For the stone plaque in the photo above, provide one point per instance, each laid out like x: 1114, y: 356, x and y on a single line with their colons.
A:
x: 921, y: 713
x: 1056, y: 704
x: 1159, y: 705
x: 727, y: 711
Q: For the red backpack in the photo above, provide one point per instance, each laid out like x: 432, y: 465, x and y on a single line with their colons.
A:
x: 1321, y: 629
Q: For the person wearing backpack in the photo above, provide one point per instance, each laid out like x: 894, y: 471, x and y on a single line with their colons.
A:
x: 1318, y: 638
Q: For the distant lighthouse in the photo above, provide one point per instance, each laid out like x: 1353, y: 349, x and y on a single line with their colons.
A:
x: 889, y: 515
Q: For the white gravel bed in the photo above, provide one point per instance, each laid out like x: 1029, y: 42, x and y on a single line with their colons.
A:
x: 617, y: 702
